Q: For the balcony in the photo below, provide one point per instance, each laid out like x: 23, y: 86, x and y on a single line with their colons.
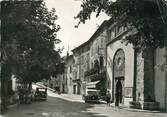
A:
x: 94, y: 74
x: 76, y: 80
x: 91, y: 72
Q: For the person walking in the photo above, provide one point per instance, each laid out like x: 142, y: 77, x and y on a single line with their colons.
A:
x: 108, y: 98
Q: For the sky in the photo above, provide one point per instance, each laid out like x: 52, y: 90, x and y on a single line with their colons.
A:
x: 70, y: 36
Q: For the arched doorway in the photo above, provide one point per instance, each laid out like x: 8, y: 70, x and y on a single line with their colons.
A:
x: 118, y: 93
x: 118, y: 77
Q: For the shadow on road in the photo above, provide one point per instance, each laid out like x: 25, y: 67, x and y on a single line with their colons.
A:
x: 72, y: 109
x: 53, y: 107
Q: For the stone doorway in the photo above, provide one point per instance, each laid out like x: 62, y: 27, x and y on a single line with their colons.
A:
x: 119, y: 92
x: 79, y: 89
x: 118, y: 77
x: 74, y: 89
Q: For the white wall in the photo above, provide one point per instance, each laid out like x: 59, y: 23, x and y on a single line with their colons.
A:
x: 69, y: 81
x: 129, y: 64
x: 14, y: 84
x: 160, y: 78
x: 98, y: 47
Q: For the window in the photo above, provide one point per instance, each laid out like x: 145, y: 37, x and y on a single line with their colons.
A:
x: 112, y: 34
x: 101, y: 62
x: 70, y: 81
x: 70, y: 69
x: 109, y: 35
x: 124, y: 27
x: 82, y: 59
x: 118, y: 29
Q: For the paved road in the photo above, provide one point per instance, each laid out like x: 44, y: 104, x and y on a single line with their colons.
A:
x: 53, y: 107
x: 56, y: 107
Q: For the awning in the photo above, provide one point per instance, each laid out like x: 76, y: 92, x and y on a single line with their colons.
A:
x: 92, y: 84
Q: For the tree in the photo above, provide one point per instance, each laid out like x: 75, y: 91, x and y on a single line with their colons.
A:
x: 144, y: 15
x: 28, y: 41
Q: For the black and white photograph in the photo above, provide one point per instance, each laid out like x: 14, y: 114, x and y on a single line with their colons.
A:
x: 83, y: 58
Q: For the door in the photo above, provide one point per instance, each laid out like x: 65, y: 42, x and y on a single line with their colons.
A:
x: 118, y: 93
x: 74, y: 89
x: 79, y: 88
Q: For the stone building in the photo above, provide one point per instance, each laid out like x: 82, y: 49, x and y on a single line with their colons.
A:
x: 81, y: 64
x: 71, y: 86
x: 90, y: 59
x: 131, y: 74
x: 58, y: 83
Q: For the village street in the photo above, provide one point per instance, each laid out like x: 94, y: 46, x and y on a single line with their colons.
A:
x: 63, y: 106
x: 59, y: 55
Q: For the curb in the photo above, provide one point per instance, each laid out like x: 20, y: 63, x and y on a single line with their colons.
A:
x: 136, y: 110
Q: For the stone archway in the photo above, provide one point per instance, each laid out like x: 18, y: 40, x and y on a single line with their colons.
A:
x: 118, y: 76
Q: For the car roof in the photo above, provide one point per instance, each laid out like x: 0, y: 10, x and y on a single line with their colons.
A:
x: 92, y: 90
x: 40, y: 88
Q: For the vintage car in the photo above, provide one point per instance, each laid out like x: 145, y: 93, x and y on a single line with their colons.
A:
x: 40, y: 94
x: 91, y: 95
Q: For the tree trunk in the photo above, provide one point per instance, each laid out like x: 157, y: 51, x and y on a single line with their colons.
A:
x: 5, y: 76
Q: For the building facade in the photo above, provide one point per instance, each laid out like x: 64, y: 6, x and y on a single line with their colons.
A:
x: 90, y: 58
x: 131, y: 73
x: 81, y: 64
x: 58, y: 83
x: 71, y: 85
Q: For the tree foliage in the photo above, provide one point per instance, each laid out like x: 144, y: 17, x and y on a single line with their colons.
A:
x: 29, y: 39
x: 143, y: 15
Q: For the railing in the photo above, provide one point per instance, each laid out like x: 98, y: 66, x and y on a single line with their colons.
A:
x: 95, y: 75
x: 76, y: 80
x: 91, y: 72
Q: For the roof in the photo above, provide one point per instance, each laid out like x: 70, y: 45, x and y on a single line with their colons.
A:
x: 93, y: 36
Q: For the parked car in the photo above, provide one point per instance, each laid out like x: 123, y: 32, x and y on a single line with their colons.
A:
x: 91, y: 95
x: 24, y: 96
x: 40, y: 94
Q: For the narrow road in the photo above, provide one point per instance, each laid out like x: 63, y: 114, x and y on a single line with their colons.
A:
x: 53, y: 107
x: 57, y: 107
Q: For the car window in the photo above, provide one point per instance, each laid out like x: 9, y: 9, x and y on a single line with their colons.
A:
x: 92, y: 92
x: 41, y: 90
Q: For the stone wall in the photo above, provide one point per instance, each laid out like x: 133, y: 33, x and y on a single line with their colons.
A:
x: 160, y: 77
x: 129, y: 67
x: 145, y: 79
x: 139, y: 77
x: 149, y: 76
